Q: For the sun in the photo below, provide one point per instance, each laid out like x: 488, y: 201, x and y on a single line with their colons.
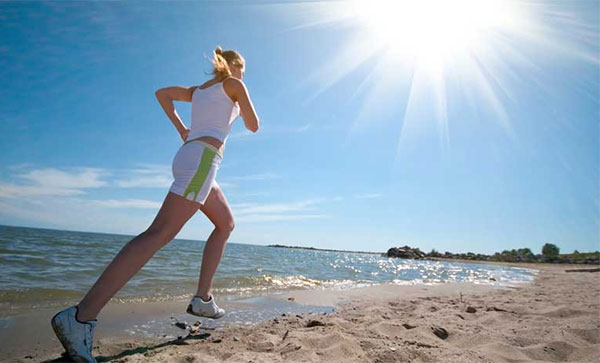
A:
x: 431, y: 30
x: 427, y: 65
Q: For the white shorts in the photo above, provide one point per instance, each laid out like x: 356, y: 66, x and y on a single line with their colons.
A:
x: 194, y: 169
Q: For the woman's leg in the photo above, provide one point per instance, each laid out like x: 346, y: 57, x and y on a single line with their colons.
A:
x: 173, y: 214
x: 217, y: 210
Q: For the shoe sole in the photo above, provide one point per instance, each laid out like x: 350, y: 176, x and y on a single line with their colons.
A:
x: 63, y: 341
x: 190, y: 311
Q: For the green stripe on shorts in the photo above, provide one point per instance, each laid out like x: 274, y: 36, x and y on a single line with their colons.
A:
x: 198, y: 180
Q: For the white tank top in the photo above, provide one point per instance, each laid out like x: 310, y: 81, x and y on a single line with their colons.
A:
x: 213, y: 113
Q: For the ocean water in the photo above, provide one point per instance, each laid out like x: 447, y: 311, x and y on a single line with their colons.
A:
x: 50, y: 268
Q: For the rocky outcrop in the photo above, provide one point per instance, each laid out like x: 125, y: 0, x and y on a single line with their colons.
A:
x: 405, y: 252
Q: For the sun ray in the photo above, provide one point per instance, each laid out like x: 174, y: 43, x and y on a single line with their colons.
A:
x: 441, y: 108
x: 339, y: 64
x: 378, y: 102
x: 483, y: 50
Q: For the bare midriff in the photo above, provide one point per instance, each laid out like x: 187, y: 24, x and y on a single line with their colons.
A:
x: 213, y: 141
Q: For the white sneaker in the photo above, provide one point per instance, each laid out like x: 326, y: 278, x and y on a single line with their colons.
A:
x: 75, y: 336
x: 205, y: 309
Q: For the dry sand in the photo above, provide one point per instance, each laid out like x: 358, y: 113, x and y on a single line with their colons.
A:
x: 556, y: 318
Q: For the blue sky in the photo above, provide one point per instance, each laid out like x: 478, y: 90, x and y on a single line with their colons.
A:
x: 363, y: 145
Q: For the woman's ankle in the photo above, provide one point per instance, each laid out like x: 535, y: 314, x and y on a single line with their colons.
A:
x: 204, y: 297
x: 80, y: 317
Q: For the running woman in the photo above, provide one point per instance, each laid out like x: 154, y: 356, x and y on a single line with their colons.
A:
x: 215, y: 105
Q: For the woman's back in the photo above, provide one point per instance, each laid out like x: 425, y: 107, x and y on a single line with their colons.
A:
x: 213, y: 112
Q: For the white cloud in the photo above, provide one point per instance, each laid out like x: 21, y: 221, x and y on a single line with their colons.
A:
x: 73, y: 213
x: 145, y: 176
x: 49, y: 197
x: 9, y: 190
x: 87, y: 178
x: 153, y: 181
x: 51, y: 181
x: 143, y: 168
x: 267, y: 212
x: 56, y: 202
x: 253, y: 208
x: 128, y: 203
x: 161, y: 176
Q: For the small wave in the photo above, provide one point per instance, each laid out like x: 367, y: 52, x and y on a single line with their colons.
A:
x: 274, y: 282
x: 27, y: 295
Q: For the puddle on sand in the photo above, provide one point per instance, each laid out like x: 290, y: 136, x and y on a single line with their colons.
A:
x: 242, y: 312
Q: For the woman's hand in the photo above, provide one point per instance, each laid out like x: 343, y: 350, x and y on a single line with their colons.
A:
x: 166, y: 96
x: 185, y: 134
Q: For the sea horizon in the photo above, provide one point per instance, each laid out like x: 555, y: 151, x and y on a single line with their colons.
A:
x: 187, y: 239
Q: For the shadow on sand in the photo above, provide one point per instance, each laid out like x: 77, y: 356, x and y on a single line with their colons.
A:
x: 139, y: 350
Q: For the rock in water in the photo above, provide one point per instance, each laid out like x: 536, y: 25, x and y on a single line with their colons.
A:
x: 405, y: 252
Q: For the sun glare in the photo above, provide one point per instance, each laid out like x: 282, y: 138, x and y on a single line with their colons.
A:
x: 427, y: 59
x: 431, y: 30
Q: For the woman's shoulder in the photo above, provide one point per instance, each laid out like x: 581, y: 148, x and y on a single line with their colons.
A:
x: 232, y: 81
x: 233, y: 86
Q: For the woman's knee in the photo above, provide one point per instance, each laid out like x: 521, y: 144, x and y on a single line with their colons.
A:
x: 226, y: 227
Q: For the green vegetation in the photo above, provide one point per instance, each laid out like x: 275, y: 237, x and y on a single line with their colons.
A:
x: 549, y: 253
x: 550, y: 250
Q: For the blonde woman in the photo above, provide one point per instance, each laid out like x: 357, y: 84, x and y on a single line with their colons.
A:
x: 215, y: 105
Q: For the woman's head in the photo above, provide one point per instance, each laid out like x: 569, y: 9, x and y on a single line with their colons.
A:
x: 228, y: 63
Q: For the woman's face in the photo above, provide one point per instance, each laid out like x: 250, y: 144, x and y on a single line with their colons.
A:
x: 238, y: 71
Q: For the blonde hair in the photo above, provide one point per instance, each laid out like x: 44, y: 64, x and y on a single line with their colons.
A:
x: 223, y: 59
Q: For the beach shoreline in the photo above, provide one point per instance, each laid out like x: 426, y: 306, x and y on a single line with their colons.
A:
x: 554, y: 318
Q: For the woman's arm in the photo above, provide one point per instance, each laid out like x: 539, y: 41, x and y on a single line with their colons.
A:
x: 242, y: 97
x: 166, y: 96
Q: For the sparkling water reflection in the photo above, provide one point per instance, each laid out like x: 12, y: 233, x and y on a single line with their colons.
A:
x: 44, y: 267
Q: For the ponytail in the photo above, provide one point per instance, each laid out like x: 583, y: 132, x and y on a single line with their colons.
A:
x: 223, y: 59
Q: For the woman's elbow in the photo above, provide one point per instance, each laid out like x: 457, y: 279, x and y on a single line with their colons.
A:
x: 253, y: 125
x: 160, y: 93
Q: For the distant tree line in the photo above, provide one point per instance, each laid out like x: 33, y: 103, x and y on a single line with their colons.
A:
x: 550, y: 253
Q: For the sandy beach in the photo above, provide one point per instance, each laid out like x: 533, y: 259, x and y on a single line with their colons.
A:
x: 556, y: 318
x: 353, y: 181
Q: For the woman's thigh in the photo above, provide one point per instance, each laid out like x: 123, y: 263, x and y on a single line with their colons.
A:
x: 217, y: 209
x: 173, y: 214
